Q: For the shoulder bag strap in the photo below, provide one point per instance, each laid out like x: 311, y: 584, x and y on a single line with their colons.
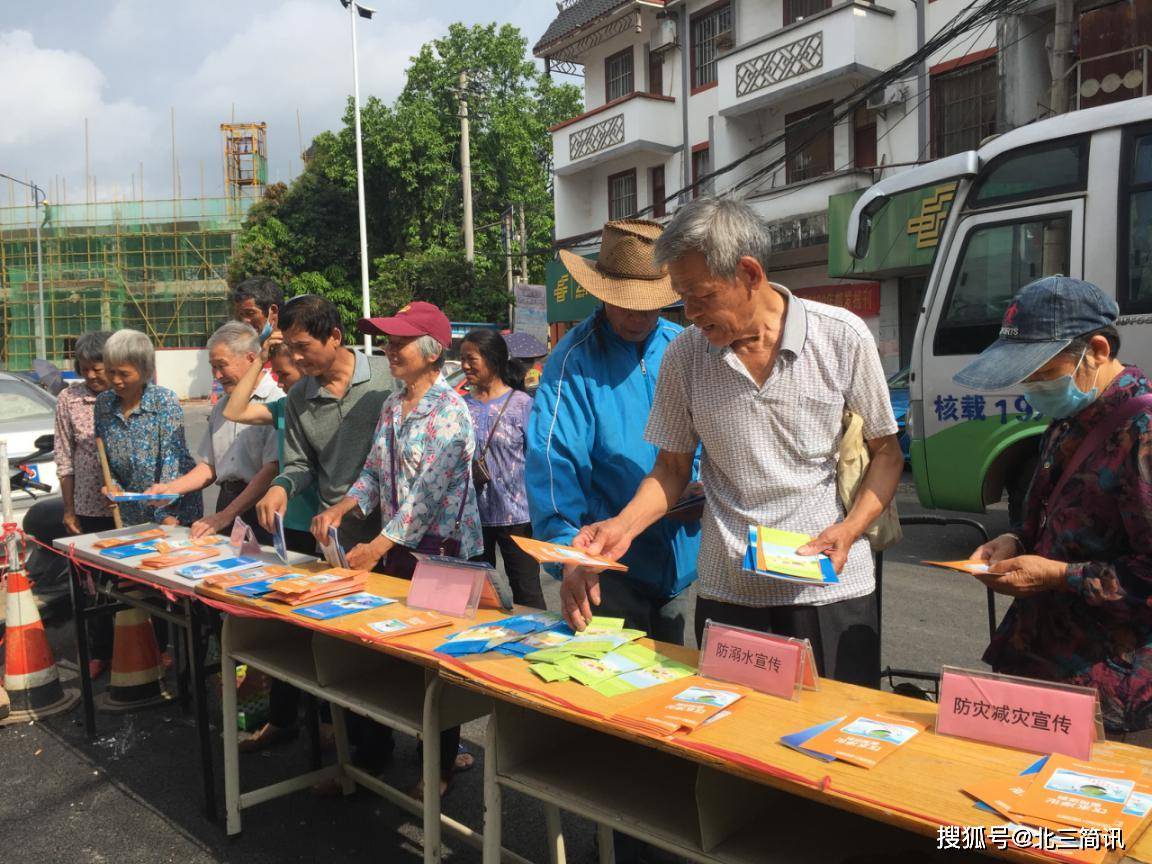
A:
x: 492, y: 431
x: 1096, y: 437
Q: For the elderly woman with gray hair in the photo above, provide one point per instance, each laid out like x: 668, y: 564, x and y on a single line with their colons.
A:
x: 142, y: 427
x: 242, y: 460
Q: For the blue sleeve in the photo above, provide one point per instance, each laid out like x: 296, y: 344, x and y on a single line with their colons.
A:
x: 176, y: 461
x: 560, y: 433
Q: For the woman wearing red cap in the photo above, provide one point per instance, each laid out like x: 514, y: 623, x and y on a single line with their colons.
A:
x: 419, y: 468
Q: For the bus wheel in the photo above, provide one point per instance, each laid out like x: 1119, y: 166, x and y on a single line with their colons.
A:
x: 1018, y: 491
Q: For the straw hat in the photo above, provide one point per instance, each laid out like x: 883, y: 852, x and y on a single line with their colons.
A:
x: 624, y: 273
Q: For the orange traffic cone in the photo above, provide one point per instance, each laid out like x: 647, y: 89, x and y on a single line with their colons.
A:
x: 136, y: 676
x: 30, y: 674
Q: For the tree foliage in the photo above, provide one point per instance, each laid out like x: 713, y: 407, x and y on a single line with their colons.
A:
x: 307, y: 233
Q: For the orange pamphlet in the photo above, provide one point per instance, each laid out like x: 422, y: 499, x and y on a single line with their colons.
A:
x: 554, y: 553
x: 687, y: 710
x: 403, y: 624
x: 865, y: 741
x: 177, y: 558
x: 129, y: 539
x: 1085, y: 794
x: 1003, y: 796
x: 962, y: 566
x: 206, y: 542
x: 317, y: 586
x: 226, y: 580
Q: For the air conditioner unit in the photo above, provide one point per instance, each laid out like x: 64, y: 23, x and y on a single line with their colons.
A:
x: 725, y: 40
x: 892, y: 96
x: 664, y: 36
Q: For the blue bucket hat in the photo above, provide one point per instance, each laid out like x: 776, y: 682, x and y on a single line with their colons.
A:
x: 1040, y: 322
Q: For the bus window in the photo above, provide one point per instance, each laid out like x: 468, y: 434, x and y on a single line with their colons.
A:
x: 1048, y: 169
x: 996, y: 262
x: 1137, y: 257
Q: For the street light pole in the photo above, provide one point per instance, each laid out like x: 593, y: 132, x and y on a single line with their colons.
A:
x: 355, y: 9
x: 38, y: 198
x: 466, y: 171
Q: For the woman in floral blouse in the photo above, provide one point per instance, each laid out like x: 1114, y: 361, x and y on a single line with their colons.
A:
x: 1080, y: 569
x: 142, y: 426
x: 418, y: 471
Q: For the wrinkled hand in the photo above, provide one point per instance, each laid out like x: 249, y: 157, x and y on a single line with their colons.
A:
x: 322, y: 521
x: 834, y: 541
x: 207, y: 525
x: 365, y: 556
x: 1025, y: 575
x: 72, y: 523
x: 159, y: 489
x: 274, y: 340
x: 579, y: 592
x: 998, y: 549
x: 607, y: 539
x: 275, y: 501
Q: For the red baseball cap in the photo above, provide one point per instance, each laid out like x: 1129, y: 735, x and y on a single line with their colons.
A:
x: 415, y: 319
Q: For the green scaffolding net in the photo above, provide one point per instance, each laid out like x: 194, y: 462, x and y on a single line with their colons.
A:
x: 156, y: 266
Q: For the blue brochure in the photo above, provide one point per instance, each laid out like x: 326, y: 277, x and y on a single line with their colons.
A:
x: 486, y: 637
x: 343, y: 606
x: 119, y: 553
x: 260, y: 587
x: 797, y: 739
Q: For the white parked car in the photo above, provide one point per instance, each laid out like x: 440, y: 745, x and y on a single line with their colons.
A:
x: 27, y: 412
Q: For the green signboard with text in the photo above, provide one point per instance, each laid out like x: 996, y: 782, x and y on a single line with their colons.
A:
x: 567, y: 299
x: 905, y: 235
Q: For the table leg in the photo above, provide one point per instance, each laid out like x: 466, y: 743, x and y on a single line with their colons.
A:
x: 556, y: 854
x: 605, y: 843
x: 196, y: 656
x: 343, y: 749
x: 231, y: 737
x: 433, y: 687
x: 493, y: 817
x: 80, y: 616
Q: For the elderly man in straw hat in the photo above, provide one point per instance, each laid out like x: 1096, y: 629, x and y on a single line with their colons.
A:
x: 761, y: 381
x: 586, y: 447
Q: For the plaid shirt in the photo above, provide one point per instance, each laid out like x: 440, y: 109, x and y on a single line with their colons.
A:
x: 1100, y: 633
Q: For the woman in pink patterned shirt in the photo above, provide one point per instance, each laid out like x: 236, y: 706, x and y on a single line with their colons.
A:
x: 77, y: 465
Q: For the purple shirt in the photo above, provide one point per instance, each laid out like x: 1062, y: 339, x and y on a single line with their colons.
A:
x: 504, y: 500
x: 1099, y: 634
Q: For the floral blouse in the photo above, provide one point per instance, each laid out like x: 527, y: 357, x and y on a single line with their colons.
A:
x: 1099, y: 632
x: 75, y: 443
x: 503, y: 500
x: 146, y: 448
x: 433, y: 461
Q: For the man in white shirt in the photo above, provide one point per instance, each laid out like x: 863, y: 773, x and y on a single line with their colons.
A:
x: 762, y: 381
x: 242, y: 460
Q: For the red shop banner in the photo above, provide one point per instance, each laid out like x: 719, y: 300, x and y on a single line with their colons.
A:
x: 863, y: 298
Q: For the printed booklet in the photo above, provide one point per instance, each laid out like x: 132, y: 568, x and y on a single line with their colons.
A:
x: 772, y: 553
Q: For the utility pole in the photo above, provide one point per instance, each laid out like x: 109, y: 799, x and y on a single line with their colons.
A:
x: 38, y: 200
x: 508, y: 220
x: 523, y: 247
x: 355, y: 9
x: 1062, y: 55
x: 466, y: 171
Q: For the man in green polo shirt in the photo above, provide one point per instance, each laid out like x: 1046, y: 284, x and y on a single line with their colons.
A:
x: 330, y: 417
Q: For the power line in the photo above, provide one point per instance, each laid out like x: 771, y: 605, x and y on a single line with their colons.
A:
x: 970, y: 17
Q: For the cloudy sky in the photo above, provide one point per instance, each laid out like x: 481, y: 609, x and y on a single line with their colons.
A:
x: 125, y: 64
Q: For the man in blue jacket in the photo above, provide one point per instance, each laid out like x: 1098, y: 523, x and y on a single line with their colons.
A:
x: 586, y: 447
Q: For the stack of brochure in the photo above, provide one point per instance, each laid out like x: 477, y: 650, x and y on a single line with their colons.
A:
x: 317, y: 586
x: 862, y: 741
x: 772, y: 553
x: 1073, y: 797
x: 689, y: 709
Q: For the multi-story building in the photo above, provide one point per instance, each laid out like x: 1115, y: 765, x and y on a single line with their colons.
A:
x: 757, y: 90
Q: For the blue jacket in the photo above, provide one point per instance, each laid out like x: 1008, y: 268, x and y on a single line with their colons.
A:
x: 587, y: 453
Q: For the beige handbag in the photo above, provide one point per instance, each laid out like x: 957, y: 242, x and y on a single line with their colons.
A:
x: 850, y: 471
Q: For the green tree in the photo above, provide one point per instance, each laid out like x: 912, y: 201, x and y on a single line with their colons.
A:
x: 413, y: 183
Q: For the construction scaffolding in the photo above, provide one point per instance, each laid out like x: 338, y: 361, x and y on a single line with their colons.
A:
x: 156, y: 266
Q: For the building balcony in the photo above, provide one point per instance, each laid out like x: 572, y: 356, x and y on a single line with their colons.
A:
x: 636, y: 123
x: 848, y: 43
